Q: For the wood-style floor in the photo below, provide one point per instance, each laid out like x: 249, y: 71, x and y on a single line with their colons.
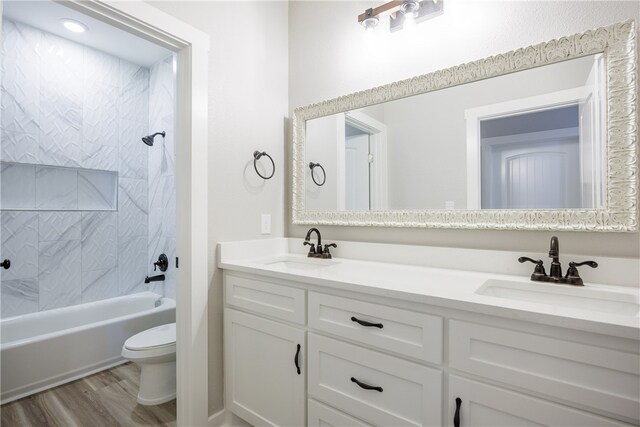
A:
x: 105, y: 399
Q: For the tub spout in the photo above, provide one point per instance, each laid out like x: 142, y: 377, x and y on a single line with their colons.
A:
x: 158, y: 278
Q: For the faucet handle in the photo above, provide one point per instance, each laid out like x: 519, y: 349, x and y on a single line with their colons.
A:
x: 572, y: 271
x: 312, y: 248
x: 538, y: 270
x: 326, y: 253
x: 591, y: 264
x: 163, y: 263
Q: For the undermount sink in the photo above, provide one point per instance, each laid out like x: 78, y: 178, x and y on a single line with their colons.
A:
x: 583, y: 298
x: 300, y: 264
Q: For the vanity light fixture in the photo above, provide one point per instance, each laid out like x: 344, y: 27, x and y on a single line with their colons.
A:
x: 402, y: 13
x: 73, y: 25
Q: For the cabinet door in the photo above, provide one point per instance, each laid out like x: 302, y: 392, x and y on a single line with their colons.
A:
x: 485, y: 405
x: 264, y: 370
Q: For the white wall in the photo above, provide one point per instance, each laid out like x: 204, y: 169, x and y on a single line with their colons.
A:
x: 330, y: 58
x: 248, y: 107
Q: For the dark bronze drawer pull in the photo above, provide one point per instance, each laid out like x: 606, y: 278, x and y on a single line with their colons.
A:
x: 366, y: 386
x: 296, y: 361
x: 365, y: 323
x: 456, y: 416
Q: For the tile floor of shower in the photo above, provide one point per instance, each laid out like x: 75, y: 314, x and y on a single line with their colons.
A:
x: 107, y: 398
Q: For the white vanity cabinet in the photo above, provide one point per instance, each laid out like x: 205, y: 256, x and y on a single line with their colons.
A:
x: 367, y: 360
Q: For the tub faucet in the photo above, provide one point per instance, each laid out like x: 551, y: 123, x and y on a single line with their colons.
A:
x: 158, y: 278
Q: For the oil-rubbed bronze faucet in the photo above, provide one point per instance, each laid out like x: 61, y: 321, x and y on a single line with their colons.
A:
x: 554, y: 252
x: 316, y: 251
x: 555, y: 273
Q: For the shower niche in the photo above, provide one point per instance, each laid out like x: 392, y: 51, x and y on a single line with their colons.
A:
x: 40, y: 187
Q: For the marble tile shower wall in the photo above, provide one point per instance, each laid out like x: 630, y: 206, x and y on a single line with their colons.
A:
x: 162, y: 190
x: 64, y: 104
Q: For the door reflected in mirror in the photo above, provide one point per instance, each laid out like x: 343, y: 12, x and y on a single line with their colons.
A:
x: 526, y: 140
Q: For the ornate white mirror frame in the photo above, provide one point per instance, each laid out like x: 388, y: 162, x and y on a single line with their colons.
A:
x: 618, y: 44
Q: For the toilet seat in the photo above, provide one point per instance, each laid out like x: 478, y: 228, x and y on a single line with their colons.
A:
x: 154, y: 338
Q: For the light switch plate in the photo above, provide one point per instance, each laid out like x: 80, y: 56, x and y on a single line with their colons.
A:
x: 265, y: 224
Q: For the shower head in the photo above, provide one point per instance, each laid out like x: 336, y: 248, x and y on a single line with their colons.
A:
x: 149, y: 138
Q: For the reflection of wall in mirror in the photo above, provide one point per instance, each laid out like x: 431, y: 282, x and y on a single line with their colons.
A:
x: 322, y: 136
x: 427, y: 133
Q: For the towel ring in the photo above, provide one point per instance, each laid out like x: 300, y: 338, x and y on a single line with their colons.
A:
x: 324, y: 174
x: 256, y: 156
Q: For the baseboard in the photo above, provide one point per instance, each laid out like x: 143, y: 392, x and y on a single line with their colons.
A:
x: 226, y: 418
x: 218, y: 419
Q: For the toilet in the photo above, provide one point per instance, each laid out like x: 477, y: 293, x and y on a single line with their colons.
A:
x: 154, y: 350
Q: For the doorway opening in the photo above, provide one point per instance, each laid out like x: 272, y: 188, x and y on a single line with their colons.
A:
x: 362, y: 164
x: 531, y: 160
x: 190, y: 47
x: 540, y: 152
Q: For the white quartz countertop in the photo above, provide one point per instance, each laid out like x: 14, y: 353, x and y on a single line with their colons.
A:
x: 439, y: 287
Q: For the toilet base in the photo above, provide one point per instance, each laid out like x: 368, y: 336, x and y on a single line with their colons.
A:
x: 157, y: 383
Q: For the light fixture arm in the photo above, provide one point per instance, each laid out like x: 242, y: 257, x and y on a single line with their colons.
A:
x: 390, y: 7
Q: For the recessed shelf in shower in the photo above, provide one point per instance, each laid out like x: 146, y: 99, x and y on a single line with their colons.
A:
x: 42, y: 187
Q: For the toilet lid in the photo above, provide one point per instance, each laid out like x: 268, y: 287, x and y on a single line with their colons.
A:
x: 159, y: 336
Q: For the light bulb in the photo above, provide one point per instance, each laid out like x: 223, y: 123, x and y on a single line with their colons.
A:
x: 409, y: 21
x: 369, y: 39
x: 370, y: 23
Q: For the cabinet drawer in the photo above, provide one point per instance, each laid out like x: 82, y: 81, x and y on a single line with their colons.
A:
x: 281, y: 302
x: 409, y: 333
x: 485, y: 405
x: 409, y: 394
x: 319, y: 415
x: 596, y: 377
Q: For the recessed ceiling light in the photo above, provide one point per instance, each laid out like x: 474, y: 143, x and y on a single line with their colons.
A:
x: 73, y: 25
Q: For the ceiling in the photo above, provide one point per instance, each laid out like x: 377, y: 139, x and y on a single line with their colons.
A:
x: 46, y: 15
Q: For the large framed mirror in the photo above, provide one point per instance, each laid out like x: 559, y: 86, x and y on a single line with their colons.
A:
x: 540, y: 138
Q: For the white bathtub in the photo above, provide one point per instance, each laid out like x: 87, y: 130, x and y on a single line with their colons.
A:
x: 45, y: 349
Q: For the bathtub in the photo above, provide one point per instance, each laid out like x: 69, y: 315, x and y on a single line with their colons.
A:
x: 42, y: 350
